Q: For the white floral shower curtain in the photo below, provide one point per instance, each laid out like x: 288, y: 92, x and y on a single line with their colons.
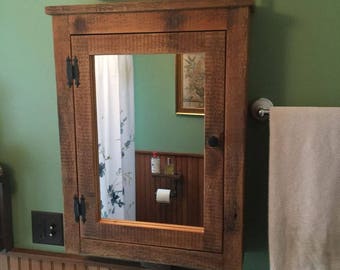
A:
x: 116, y: 146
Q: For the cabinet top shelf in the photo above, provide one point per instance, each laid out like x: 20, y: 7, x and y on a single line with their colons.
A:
x: 169, y: 176
x: 145, y: 5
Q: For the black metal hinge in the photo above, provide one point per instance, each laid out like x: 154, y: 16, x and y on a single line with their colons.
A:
x: 72, y: 71
x: 79, y: 208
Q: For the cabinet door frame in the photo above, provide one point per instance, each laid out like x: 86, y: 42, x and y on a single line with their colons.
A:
x: 206, y: 238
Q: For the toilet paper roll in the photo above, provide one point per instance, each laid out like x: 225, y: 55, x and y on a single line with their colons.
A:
x: 163, y: 195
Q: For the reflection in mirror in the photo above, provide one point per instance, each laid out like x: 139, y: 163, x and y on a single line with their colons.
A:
x: 137, y: 123
x: 115, y: 124
x: 190, y: 76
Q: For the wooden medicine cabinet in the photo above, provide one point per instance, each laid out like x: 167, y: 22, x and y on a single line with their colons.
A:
x: 120, y: 69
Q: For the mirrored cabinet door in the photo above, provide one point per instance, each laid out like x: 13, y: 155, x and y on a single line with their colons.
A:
x: 149, y: 118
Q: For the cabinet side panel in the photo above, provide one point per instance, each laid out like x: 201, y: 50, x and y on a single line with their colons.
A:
x: 236, y: 113
x: 66, y: 132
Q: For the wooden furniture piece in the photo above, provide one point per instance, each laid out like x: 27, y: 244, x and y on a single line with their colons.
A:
x: 217, y: 28
x: 6, y: 238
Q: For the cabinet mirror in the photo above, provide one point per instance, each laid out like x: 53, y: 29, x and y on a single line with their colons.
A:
x: 137, y: 126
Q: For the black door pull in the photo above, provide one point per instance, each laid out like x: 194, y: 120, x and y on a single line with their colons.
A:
x: 213, y: 141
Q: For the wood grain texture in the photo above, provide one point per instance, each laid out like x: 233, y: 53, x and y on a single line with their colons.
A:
x: 66, y: 132
x: 212, y: 44
x: 21, y: 259
x: 35, y: 264
x: 4, y: 261
x: 220, y: 29
x: 150, y: 5
x: 187, y: 207
x: 26, y: 264
x: 235, y: 133
x: 166, y: 21
x: 14, y: 263
x: 178, y: 257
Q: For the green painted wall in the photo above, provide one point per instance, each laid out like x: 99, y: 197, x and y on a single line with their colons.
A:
x: 294, y: 60
x: 158, y: 128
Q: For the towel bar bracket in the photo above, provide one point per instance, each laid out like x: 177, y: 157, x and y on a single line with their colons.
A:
x: 260, y: 109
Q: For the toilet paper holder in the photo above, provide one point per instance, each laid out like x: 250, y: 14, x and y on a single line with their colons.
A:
x: 176, y: 178
x: 173, y: 194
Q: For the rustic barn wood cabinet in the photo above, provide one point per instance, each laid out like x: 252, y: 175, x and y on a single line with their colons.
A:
x: 216, y: 29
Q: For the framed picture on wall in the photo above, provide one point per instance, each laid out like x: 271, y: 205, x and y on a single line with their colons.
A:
x: 190, y: 83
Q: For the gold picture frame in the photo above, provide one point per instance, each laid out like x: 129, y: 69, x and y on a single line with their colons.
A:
x: 190, y: 83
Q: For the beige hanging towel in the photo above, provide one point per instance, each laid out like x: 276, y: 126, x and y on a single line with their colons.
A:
x: 304, y: 188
